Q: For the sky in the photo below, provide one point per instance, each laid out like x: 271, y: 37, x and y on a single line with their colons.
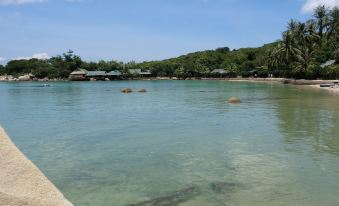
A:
x: 142, y: 30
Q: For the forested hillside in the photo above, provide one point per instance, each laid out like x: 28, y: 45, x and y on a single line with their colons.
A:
x: 300, y: 52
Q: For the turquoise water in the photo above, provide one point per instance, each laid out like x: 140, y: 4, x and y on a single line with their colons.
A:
x: 180, y: 143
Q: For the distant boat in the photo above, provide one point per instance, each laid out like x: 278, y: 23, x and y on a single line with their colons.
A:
x: 44, y: 85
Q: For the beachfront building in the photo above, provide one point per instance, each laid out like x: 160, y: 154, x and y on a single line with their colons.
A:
x: 114, y: 75
x: 78, y: 75
x: 96, y: 75
x: 83, y: 75
x: 139, y: 72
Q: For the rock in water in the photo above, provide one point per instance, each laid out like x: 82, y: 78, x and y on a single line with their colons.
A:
x: 142, y: 90
x: 233, y: 100
x: 173, y: 199
x: 126, y: 90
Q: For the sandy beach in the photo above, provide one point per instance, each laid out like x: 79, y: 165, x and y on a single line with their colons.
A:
x: 21, y: 182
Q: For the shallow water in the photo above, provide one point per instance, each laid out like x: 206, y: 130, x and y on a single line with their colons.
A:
x: 180, y: 143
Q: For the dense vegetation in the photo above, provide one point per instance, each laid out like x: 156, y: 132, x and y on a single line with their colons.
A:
x: 303, y: 48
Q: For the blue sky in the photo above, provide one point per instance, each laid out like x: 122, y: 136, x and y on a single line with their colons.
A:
x: 140, y: 30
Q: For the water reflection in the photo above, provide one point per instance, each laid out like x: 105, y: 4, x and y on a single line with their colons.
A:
x: 312, y: 118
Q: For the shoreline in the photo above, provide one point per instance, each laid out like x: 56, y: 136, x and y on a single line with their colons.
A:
x: 21, y: 182
x: 315, y: 84
x: 236, y: 79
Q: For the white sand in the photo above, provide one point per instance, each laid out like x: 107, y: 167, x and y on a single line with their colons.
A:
x: 21, y: 182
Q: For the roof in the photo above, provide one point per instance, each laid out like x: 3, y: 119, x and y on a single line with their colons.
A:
x: 95, y: 73
x: 134, y: 71
x: 79, y: 72
x: 114, y: 73
x: 146, y: 72
x: 328, y: 63
x: 138, y: 71
x: 220, y: 71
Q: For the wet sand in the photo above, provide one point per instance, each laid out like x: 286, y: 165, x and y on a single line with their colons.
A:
x: 21, y: 182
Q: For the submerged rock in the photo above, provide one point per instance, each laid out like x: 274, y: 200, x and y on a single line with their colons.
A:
x: 126, y: 90
x: 233, y: 100
x: 223, y: 187
x: 172, y: 199
x: 142, y: 90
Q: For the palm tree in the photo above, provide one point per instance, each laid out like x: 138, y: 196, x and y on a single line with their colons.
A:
x: 292, y: 25
x: 286, y: 49
x: 311, y: 31
x: 272, y: 58
x: 304, y: 57
x: 333, y: 32
x: 321, y: 14
x: 336, y: 53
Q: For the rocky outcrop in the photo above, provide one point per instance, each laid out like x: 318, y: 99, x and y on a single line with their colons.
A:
x: 21, y: 182
x: 7, y: 78
x: 25, y: 77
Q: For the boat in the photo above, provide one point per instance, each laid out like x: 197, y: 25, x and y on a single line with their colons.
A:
x: 326, y: 85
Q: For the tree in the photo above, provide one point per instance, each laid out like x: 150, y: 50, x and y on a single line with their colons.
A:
x: 321, y: 14
x: 65, y: 64
x: 304, y: 58
x: 2, y: 69
x: 333, y: 32
x: 286, y: 50
x: 24, y: 66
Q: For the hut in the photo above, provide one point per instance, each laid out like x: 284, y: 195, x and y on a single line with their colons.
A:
x: 78, y: 75
x: 113, y: 75
x: 139, y: 72
x: 96, y: 75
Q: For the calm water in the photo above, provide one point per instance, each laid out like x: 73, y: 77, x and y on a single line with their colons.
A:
x: 180, y: 143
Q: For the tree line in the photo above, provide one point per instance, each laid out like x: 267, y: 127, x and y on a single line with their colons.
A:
x: 300, y: 52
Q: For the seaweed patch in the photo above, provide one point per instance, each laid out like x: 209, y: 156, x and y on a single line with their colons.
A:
x: 172, y: 199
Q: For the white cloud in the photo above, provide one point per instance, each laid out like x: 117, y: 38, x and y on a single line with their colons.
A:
x: 310, y: 5
x: 34, y: 56
x: 2, y: 59
x: 17, y: 2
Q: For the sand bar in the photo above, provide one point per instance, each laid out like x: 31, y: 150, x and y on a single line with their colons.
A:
x: 21, y: 182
